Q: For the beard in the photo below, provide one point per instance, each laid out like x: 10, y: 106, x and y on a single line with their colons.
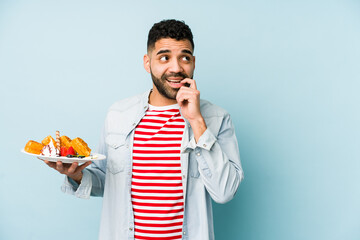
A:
x: 163, y: 88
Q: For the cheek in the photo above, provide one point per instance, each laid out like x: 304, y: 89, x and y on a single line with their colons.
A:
x: 189, y: 69
x: 157, y: 70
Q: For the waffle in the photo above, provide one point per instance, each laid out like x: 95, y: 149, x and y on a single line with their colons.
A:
x: 80, y: 146
x: 47, y: 140
x: 65, y: 141
x: 33, y: 147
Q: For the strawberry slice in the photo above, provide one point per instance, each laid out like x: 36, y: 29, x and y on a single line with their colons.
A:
x: 63, y: 151
x: 70, y: 151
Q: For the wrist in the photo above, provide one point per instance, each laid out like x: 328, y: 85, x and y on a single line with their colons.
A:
x: 198, y: 126
x: 198, y: 122
x: 77, y: 178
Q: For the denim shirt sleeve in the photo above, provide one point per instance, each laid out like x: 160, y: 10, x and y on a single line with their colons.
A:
x: 81, y: 191
x: 219, y: 161
x: 93, y: 180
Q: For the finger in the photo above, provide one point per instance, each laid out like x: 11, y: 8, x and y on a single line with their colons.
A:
x: 44, y: 160
x: 50, y: 164
x: 182, y: 92
x: 190, y: 96
x: 84, y: 165
x: 187, y: 91
x: 73, y: 167
x: 180, y: 99
x: 191, y: 82
x: 66, y: 165
x: 59, y: 166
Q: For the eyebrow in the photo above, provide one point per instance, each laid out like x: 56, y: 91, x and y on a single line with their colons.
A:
x: 162, y: 51
x: 187, y: 51
x: 167, y: 51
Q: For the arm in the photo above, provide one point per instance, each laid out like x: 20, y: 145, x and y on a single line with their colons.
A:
x: 218, y: 157
x: 219, y: 162
x: 92, y: 179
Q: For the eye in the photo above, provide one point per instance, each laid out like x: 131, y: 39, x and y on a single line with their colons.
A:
x: 186, y: 58
x: 164, y: 58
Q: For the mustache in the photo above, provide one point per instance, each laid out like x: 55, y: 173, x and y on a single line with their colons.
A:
x: 182, y: 75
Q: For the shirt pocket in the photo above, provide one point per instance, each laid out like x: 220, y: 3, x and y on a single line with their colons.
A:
x: 193, y: 166
x: 118, y: 152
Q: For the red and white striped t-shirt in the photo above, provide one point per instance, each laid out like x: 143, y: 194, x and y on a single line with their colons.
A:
x: 156, y: 190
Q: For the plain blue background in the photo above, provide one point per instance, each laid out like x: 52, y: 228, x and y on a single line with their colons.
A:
x: 287, y: 71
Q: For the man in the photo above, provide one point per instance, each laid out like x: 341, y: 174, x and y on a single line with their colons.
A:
x: 168, y: 152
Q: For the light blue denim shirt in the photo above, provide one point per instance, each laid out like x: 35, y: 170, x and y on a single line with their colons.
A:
x: 211, y: 169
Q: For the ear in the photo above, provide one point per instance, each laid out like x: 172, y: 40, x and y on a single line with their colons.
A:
x: 147, y: 63
x: 194, y: 61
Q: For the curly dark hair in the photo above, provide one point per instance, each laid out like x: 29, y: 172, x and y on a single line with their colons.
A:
x: 170, y: 28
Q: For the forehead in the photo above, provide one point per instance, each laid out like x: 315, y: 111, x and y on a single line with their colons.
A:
x: 172, y: 44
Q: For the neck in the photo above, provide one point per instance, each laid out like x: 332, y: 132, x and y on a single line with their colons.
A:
x: 156, y: 99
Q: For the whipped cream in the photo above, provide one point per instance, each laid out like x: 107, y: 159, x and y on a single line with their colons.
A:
x: 50, y: 150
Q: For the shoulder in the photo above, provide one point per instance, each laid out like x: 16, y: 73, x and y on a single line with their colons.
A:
x: 126, y: 103
x: 130, y: 102
x: 123, y: 114
x: 209, y: 109
x: 216, y: 118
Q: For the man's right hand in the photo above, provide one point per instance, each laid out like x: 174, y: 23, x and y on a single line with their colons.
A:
x: 73, y: 170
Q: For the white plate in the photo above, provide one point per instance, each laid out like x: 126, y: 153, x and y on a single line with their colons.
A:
x: 92, y: 157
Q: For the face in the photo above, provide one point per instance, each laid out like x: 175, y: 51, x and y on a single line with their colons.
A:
x: 169, y: 62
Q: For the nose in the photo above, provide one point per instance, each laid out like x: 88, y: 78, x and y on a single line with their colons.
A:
x: 175, y: 66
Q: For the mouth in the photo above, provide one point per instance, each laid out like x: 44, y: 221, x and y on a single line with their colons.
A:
x: 174, y: 80
x: 175, y: 83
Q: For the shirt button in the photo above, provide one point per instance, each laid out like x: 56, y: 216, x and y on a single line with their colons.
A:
x: 145, y: 107
x: 189, y: 126
x: 130, y: 229
x: 184, y: 233
x: 198, y: 154
x: 129, y: 173
x: 134, y: 124
x: 204, y: 145
x: 114, y: 145
x: 184, y: 176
